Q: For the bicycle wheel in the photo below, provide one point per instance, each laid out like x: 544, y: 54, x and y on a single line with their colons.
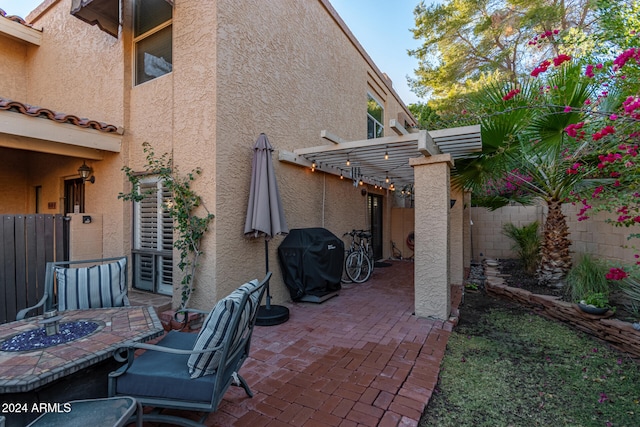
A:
x: 352, y: 266
x: 345, y: 276
x: 367, y: 268
x: 358, y: 267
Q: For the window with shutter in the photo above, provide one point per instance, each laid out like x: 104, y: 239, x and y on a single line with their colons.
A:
x: 153, y: 239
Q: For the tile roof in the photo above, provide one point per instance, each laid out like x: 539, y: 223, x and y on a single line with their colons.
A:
x: 29, y: 110
x: 15, y: 18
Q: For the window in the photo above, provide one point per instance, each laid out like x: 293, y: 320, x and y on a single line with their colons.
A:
x: 375, y: 118
x: 152, y: 38
x: 153, y: 240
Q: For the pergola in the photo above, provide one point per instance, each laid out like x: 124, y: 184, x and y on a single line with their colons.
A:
x: 423, y: 160
x: 385, y: 161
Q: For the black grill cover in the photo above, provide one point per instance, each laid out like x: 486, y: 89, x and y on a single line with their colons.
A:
x: 311, y: 261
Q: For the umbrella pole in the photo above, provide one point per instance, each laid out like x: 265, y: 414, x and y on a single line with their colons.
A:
x: 266, y: 261
x: 269, y: 315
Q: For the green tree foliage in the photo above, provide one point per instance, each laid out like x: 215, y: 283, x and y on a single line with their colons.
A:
x: 466, y: 41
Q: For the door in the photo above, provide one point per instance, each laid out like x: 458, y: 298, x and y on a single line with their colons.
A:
x: 73, y: 196
x: 374, y: 204
x: 152, y: 239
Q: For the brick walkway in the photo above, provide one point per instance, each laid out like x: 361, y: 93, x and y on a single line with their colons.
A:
x: 359, y: 359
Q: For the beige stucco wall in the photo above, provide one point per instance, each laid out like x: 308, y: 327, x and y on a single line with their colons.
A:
x: 594, y: 236
x: 14, y: 182
x: 77, y: 70
x: 239, y: 68
x: 432, y: 237
x: 13, y: 80
x: 456, y: 238
x: 487, y: 237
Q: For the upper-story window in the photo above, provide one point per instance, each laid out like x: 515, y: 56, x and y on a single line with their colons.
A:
x: 152, y: 39
x: 375, y: 118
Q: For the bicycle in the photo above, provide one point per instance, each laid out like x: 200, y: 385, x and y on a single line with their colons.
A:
x: 358, y: 265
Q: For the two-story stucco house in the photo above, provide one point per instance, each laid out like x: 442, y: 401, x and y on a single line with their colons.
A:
x: 199, y: 80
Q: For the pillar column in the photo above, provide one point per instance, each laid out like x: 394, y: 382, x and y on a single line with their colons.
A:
x: 456, y: 236
x: 432, y: 244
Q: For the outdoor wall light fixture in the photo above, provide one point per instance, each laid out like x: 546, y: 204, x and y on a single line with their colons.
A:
x: 85, y: 173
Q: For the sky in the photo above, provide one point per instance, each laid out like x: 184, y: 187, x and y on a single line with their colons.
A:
x: 381, y: 26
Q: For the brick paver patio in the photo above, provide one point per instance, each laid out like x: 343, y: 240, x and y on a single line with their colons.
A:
x: 358, y: 359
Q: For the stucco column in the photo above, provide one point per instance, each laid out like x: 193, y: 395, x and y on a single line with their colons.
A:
x: 432, y: 206
x: 466, y: 230
x: 456, y: 238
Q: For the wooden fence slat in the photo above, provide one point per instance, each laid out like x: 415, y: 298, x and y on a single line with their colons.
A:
x: 3, y: 299
x: 48, y: 238
x: 8, y: 223
x: 27, y: 243
x: 21, y: 263
x: 58, y: 239
x: 35, y: 278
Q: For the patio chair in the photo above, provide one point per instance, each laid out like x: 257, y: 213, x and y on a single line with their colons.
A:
x: 189, y: 371
x: 101, y: 285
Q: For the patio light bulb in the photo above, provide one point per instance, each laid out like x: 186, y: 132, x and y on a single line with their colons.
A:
x: 348, y: 162
x: 387, y: 178
x: 313, y: 164
x: 341, y: 176
x: 386, y: 155
x: 361, y: 182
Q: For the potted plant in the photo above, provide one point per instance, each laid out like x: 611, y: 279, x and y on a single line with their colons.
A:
x: 595, y: 303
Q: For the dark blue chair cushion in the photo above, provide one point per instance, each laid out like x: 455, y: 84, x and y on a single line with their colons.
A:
x: 156, y: 374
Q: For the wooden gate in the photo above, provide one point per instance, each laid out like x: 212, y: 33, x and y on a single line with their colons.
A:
x: 28, y: 242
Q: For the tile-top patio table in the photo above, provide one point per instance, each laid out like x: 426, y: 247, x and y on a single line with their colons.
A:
x: 109, y: 412
x: 23, y: 371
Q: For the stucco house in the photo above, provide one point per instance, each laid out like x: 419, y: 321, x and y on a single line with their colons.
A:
x: 201, y: 80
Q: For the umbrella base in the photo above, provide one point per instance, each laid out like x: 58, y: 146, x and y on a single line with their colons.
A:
x: 273, y: 315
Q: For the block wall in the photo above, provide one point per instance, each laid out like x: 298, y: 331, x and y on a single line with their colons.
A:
x: 594, y: 236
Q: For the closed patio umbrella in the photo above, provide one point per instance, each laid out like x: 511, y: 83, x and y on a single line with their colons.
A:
x: 265, y: 218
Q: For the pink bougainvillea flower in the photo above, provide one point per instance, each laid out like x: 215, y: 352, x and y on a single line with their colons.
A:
x: 560, y: 59
x: 511, y: 94
x: 589, y: 71
x: 541, y: 68
x: 616, y: 274
x: 624, y: 57
x: 613, y: 117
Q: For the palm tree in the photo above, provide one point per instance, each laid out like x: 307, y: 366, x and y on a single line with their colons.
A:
x: 525, y: 145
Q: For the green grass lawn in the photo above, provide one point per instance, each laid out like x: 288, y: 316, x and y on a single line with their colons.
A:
x: 509, y: 367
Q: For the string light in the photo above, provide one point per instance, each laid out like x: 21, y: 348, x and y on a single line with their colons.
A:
x: 361, y: 182
x: 348, y: 161
x: 386, y: 155
x: 341, y: 176
x: 387, y: 178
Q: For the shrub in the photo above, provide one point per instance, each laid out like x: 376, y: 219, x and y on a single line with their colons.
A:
x: 527, y: 244
x: 586, y: 277
x: 630, y: 287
